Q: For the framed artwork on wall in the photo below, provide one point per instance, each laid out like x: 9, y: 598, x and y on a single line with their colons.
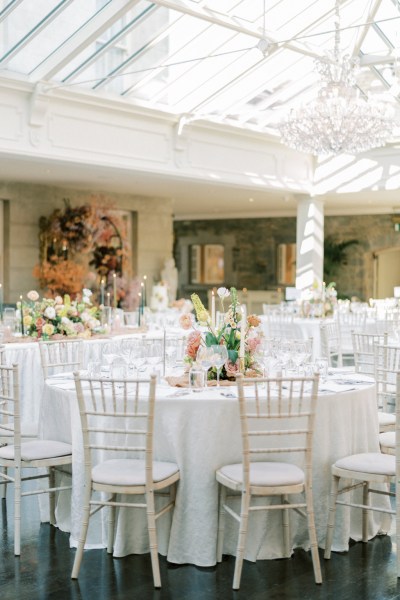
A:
x: 207, y: 264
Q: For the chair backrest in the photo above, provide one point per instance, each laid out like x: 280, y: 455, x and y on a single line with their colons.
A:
x: 364, y: 350
x: 117, y: 418
x: 348, y: 322
x: 10, y: 418
x: 271, y: 309
x: 331, y: 345
x: 3, y: 359
x: 277, y: 417
x: 282, y: 326
x: 59, y: 356
x: 387, y: 364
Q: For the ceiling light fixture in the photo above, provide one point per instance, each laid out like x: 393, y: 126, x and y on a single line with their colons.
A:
x: 339, y: 120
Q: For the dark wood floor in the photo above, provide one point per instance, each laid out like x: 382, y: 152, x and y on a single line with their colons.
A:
x: 366, y: 572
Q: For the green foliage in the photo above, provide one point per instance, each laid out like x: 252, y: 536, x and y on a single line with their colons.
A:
x: 335, y: 255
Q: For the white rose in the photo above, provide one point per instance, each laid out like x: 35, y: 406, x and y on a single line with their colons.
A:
x: 65, y: 321
x: 223, y: 292
x: 87, y: 292
x: 33, y: 295
x: 50, y: 313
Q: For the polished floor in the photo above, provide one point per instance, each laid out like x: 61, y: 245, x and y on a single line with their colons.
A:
x: 366, y: 572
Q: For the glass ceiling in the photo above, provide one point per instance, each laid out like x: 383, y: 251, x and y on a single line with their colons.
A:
x: 199, y: 59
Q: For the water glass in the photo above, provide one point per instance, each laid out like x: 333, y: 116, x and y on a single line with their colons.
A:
x: 119, y: 368
x: 94, y: 368
x: 197, y: 379
x: 321, y: 365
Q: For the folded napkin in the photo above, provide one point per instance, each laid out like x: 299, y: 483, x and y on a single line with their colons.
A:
x: 331, y: 386
x: 183, y: 381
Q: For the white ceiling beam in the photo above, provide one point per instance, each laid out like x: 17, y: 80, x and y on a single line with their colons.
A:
x: 82, y: 38
x: 35, y: 31
x: 7, y: 10
x: 109, y: 44
x: 365, y: 29
x: 207, y: 14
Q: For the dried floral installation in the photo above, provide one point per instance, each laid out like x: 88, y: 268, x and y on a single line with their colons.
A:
x: 77, y: 238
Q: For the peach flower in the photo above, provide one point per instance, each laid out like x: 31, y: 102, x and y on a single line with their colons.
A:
x: 193, y: 344
x: 253, y: 320
x: 185, y: 321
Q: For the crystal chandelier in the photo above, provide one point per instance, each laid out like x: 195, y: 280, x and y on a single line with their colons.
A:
x: 339, y: 119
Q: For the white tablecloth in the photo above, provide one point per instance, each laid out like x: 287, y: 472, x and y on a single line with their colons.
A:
x: 201, y: 433
x: 26, y: 355
x: 302, y: 329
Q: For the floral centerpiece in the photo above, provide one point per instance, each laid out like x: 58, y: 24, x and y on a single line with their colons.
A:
x: 318, y: 302
x: 228, y: 332
x: 44, y: 318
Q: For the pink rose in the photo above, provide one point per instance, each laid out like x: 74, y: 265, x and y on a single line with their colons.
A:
x: 193, y: 344
x: 252, y: 344
x: 185, y: 321
x: 232, y: 369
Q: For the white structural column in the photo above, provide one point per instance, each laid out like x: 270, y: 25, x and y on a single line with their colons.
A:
x: 310, y: 242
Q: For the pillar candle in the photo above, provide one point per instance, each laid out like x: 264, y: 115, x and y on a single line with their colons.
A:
x: 115, y: 289
x: 21, y: 308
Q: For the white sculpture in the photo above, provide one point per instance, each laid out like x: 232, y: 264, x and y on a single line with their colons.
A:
x: 169, y: 275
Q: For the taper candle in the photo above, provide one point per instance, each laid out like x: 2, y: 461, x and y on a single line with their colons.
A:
x: 139, y: 308
x: 1, y: 302
x: 108, y: 299
x: 21, y: 308
x: 102, y: 287
x: 242, y: 332
x: 212, y: 309
x: 145, y: 290
x: 115, y: 289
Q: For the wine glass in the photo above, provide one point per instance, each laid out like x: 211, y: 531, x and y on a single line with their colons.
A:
x: 219, y: 358
x: 110, y: 353
x: 321, y: 365
x: 204, y: 358
x: 137, y: 358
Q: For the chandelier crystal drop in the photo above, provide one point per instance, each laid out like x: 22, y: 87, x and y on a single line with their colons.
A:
x: 339, y: 120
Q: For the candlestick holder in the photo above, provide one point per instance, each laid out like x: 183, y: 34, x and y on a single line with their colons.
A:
x: 241, y: 365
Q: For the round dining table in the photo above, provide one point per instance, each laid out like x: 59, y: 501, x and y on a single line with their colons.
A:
x: 201, y: 432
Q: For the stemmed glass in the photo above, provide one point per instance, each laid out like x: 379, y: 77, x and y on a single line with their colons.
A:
x: 219, y: 358
x: 204, y: 358
x: 110, y: 353
x: 137, y: 358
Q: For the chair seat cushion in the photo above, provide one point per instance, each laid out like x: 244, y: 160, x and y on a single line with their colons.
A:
x: 37, y: 450
x: 128, y: 471
x: 388, y: 439
x: 369, y: 462
x: 385, y: 418
x: 265, y: 473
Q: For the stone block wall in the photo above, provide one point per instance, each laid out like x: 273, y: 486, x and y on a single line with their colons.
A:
x: 251, y: 245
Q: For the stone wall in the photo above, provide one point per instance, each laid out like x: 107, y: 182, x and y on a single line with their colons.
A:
x: 26, y: 203
x: 251, y: 249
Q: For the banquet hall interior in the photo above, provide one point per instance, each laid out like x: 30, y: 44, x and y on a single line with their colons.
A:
x: 152, y: 154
